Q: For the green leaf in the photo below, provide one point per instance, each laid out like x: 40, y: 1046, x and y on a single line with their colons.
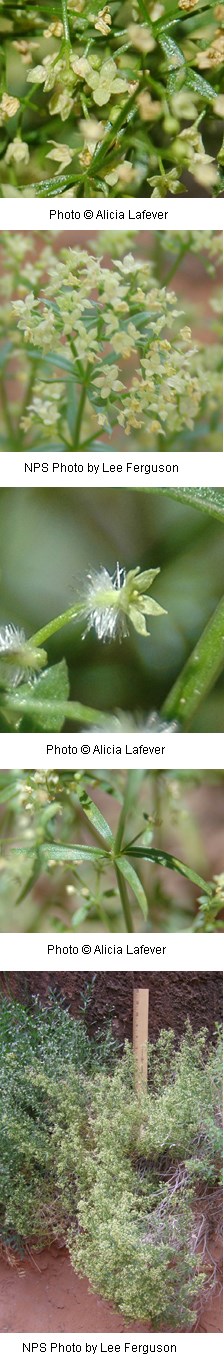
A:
x: 8, y: 790
x: 32, y: 878
x: 210, y: 500
x: 164, y: 859
x: 195, y: 82
x: 80, y: 916
x: 5, y: 351
x: 51, y: 687
x: 172, y: 51
x: 75, y: 852
x: 200, y: 672
x: 96, y: 818
x: 81, y: 716
x: 57, y: 361
x: 56, y: 185
x: 175, y: 80
x: 133, y: 880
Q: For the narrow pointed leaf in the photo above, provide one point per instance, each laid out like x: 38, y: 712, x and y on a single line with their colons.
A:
x: 210, y: 500
x: 195, y: 82
x: 199, y: 673
x: 58, y: 361
x: 32, y: 878
x: 129, y: 874
x: 80, y: 916
x: 75, y: 852
x: 172, y: 51
x: 96, y: 818
x: 164, y: 859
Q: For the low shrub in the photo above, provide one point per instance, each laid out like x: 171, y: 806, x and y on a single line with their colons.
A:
x: 138, y: 1180
x: 45, y: 1056
x: 112, y: 1170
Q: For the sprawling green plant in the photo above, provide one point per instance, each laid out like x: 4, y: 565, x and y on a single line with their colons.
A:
x: 137, y: 1176
x: 34, y: 696
x: 39, y: 1050
x: 83, y: 1152
x: 126, y: 99
x: 63, y: 866
x: 102, y: 352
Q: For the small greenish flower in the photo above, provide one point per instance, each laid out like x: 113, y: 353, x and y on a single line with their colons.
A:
x: 166, y: 183
x: 114, y: 601
x: 8, y: 107
x: 219, y: 885
x: 59, y: 152
x: 17, y: 151
x: 106, y: 82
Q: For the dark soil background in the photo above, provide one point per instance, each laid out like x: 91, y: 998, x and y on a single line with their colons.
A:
x: 104, y: 996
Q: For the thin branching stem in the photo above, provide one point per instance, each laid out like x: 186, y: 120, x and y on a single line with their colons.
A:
x: 65, y: 20
x: 56, y: 624
x: 124, y: 900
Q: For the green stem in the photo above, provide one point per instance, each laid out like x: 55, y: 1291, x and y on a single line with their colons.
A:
x: 6, y: 413
x: 110, y: 138
x: 77, y: 428
x: 107, y: 597
x: 65, y: 21
x: 130, y: 790
x: 175, y: 266
x: 199, y: 673
x: 29, y: 389
x: 124, y: 900
x: 59, y: 185
x: 56, y: 624
x: 72, y: 710
x: 79, y: 414
x: 146, y: 15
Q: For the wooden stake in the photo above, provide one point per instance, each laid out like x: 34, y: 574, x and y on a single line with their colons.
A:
x: 140, y: 1035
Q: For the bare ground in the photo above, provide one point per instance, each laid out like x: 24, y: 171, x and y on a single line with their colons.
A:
x: 42, y: 1293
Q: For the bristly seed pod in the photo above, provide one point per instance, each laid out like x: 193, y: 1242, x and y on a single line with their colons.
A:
x: 18, y: 660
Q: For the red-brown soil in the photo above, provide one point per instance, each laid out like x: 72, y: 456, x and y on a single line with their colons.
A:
x: 43, y: 1294
x: 174, y: 997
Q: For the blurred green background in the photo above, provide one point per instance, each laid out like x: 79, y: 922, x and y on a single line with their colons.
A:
x: 51, y: 539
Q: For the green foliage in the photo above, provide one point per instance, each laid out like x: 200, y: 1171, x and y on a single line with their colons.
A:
x: 203, y: 499
x: 44, y: 1055
x: 126, y: 99
x: 83, y: 1152
x: 114, y: 880
x: 138, y: 1181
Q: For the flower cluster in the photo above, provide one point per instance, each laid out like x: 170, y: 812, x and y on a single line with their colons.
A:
x: 114, y: 96
x: 111, y: 343
x: 102, y: 348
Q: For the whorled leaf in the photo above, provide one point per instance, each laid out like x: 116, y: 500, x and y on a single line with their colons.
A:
x: 96, y: 818
x: 52, y: 686
x: 164, y: 859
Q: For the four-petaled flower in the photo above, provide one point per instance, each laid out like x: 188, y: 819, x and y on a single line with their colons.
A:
x: 106, y: 82
x: 114, y: 601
